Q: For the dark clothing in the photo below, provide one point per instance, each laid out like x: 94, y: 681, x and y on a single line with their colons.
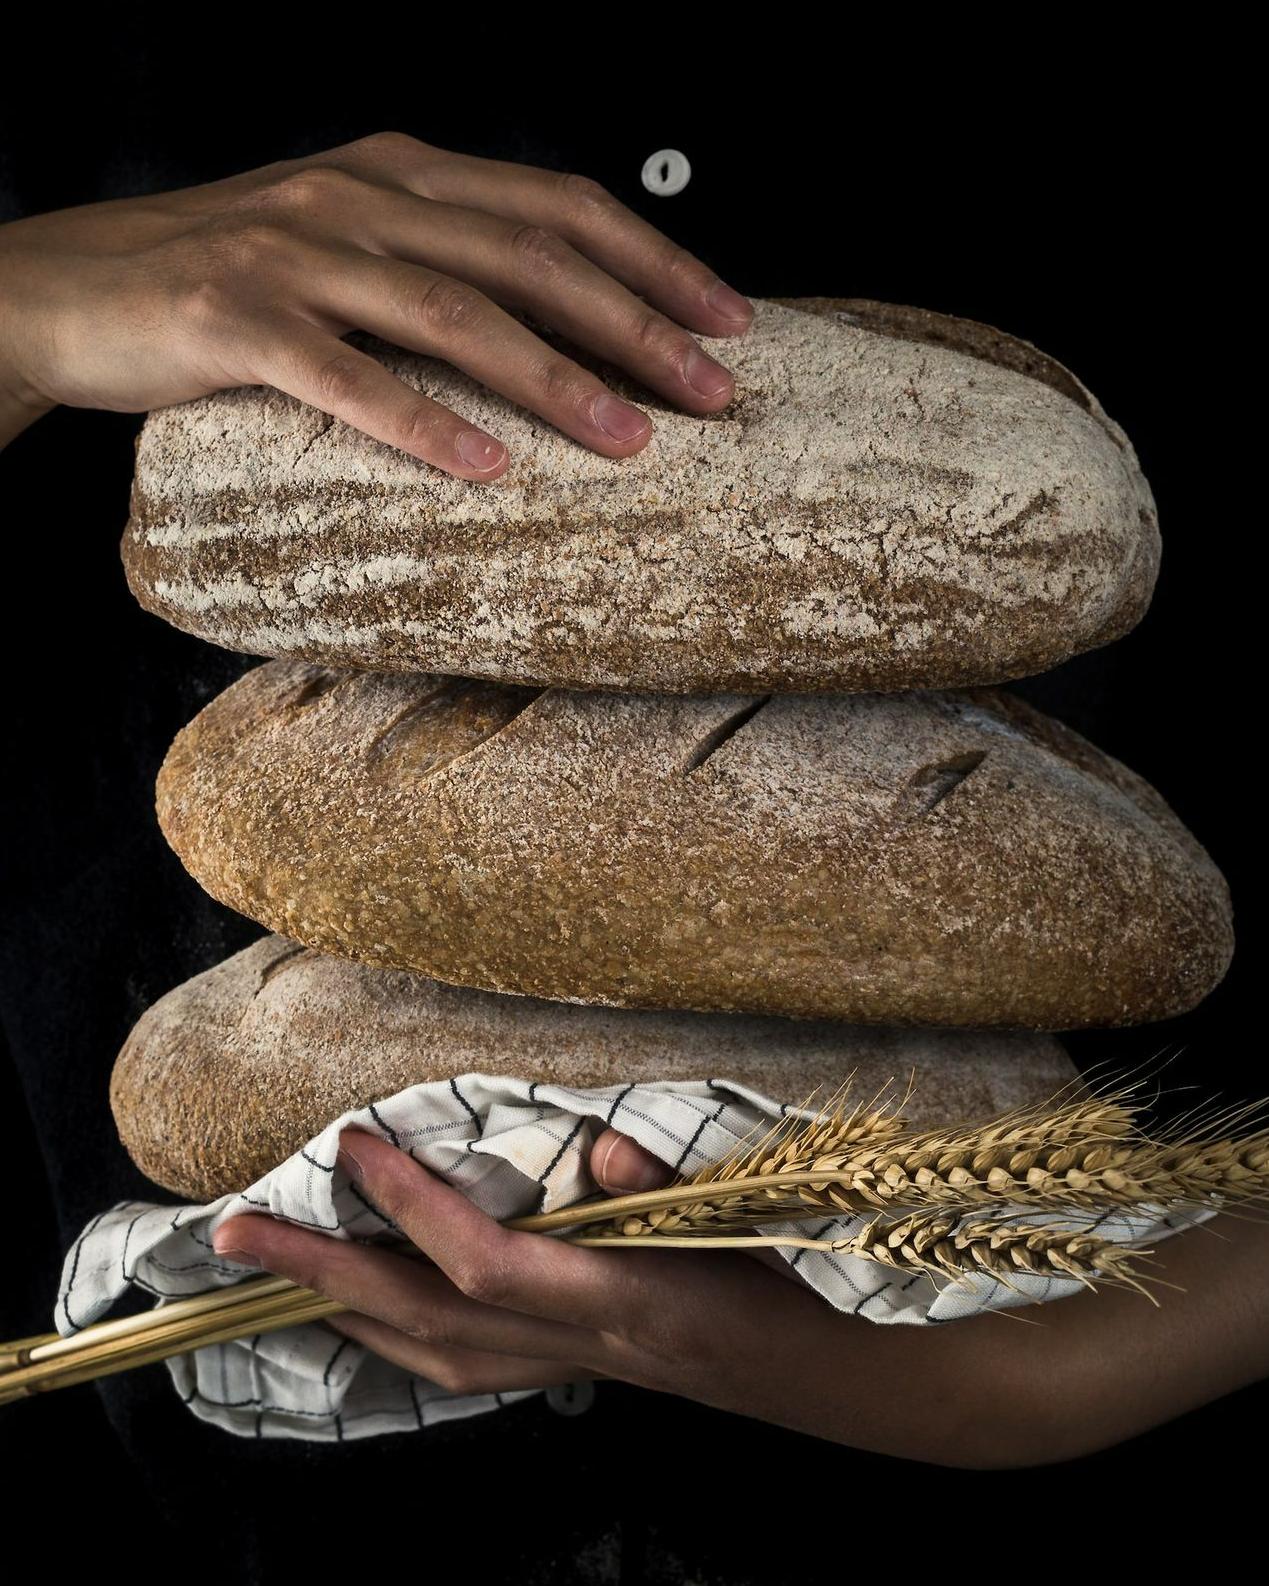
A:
x: 1080, y: 213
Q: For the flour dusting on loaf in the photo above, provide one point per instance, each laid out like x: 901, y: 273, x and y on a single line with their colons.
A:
x: 895, y: 499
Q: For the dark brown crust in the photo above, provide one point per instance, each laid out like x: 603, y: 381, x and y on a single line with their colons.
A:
x: 234, y: 1071
x: 952, y: 859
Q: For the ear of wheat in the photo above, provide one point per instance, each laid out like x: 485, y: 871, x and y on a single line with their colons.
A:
x: 939, y: 1245
x: 1085, y: 1155
x: 952, y: 1204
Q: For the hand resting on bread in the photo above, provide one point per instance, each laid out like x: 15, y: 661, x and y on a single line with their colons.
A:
x: 143, y: 302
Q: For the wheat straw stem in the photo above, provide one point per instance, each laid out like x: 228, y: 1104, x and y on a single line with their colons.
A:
x: 49, y: 1346
x: 702, y: 1241
x: 250, y: 1308
x: 260, y: 1300
x: 106, y: 1359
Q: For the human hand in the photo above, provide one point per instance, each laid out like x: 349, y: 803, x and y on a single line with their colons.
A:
x: 253, y: 280
x: 501, y: 1310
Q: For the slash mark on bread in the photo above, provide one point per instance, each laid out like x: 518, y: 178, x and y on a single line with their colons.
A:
x: 447, y: 723
x: 278, y: 964
x: 320, y: 683
x: 712, y: 742
x: 932, y: 783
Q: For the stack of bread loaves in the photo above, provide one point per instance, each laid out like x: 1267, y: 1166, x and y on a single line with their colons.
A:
x: 607, y: 774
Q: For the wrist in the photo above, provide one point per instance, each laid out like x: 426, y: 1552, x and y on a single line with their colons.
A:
x: 20, y: 405
x: 21, y: 400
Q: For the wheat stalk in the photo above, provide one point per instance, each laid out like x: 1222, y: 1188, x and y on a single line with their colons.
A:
x: 937, y: 1244
x: 1003, y: 1249
x: 1085, y: 1155
x: 260, y: 1305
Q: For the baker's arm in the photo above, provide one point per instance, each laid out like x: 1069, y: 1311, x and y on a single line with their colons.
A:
x: 502, y: 1310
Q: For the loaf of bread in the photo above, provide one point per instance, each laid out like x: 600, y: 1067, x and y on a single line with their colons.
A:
x: 894, y: 500
x: 232, y: 1072
x: 940, y: 859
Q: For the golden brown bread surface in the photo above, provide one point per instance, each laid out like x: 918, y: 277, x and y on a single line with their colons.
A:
x: 895, y: 499
x: 941, y: 859
x: 233, y: 1071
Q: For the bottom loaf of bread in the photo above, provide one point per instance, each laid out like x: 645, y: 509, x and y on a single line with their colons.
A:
x: 235, y: 1070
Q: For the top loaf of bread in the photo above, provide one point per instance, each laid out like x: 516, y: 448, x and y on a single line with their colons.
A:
x: 895, y: 499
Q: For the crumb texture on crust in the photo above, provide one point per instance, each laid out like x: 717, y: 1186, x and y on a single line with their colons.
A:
x: 895, y: 499
x: 923, y: 859
x: 232, y: 1072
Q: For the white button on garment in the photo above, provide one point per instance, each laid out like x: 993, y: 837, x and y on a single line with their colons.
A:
x: 666, y: 172
x: 571, y: 1398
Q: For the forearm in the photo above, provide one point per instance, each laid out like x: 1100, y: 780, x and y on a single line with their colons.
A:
x: 1110, y: 1365
x: 20, y: 403
x: 1034, y: 1387
x: 894, y: 1390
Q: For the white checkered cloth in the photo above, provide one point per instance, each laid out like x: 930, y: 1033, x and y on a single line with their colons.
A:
x: 513, y: 1148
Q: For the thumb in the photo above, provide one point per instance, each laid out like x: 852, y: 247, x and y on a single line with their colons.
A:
x: 620, y: 1167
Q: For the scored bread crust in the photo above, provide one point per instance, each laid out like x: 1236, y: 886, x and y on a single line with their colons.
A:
x: 895, y: 499
x: 939, y: 859
x: 235, y: 1070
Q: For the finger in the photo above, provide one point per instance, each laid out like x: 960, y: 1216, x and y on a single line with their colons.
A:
x: 455, y: 1370
x: 596, y: 224
x: 396, y: 1289
x: 445, y: 318
x: 526, y: 1272
x: 533, y: 270
x: 315, y: 366
x: 620, y: 1167
x: 522, y: 265
x: 573, y: 207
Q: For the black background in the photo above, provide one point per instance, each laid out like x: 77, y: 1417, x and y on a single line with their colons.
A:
x: 1089, y: 198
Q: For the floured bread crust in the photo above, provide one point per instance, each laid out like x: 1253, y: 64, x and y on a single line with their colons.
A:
x: 232, y: 1072
x: 895, y: 499
x: 940, y: 859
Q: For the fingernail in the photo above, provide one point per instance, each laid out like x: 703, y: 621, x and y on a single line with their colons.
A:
x: 729, y: 304
x: 479, y: 452
x: 232, y: 1252
x: 349, y: 1162
x: 599, y: 1157
x: 629, y: 1167
x: 617, y: 418
x: 704, y: 375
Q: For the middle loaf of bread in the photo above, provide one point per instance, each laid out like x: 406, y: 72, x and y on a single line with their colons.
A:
x: 949, y: 859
